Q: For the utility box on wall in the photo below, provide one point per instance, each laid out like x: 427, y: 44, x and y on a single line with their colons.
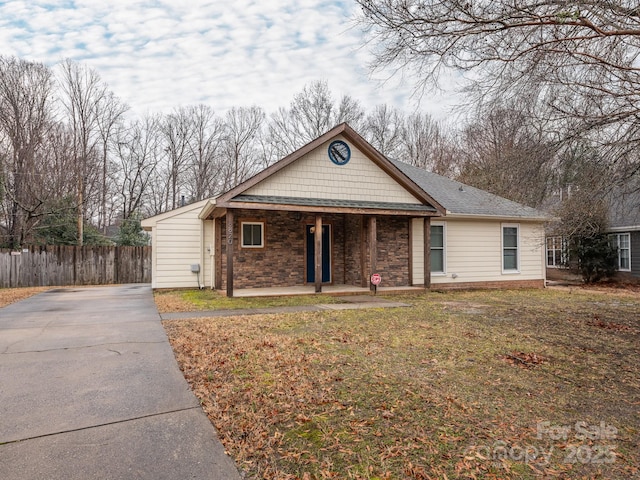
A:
x: 195, y: 268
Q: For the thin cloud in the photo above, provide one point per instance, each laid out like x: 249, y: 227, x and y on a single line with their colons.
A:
x: 158, y: 55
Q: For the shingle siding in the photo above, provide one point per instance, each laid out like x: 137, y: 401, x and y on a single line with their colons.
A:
x: 635, y: 254
x: 315, y: 176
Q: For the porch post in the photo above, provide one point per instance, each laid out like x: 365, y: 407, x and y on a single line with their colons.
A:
x: 427, y: 252
x: 217, y: 255
x: 230, y: 252
x: 363, y: 254
x: 373, y: 247
x: 318, y: 253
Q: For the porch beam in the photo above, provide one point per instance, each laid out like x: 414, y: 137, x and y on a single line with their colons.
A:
x: 327, y: 209
x: 427, y: 252
x: 373, y: 247
x: 318, y: 253
x: 230, y: 251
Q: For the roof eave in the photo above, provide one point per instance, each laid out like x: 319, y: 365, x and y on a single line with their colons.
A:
x: 473, y: 216
x: 207, y: 209
x: 626, y: 228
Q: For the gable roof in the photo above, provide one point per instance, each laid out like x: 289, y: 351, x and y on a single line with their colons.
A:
x: 624, y: 211
x: 463, y: 200
x: 365, y: 147
x: 150, y: 222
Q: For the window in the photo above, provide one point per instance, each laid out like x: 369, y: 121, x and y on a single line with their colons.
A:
x: 622, y: 241
x: 557, y: 252
x: 437, y: 249
x: 252, y: 234
x: 510, y: 242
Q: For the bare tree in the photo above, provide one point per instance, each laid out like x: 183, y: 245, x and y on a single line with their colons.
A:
x: 501, y: 152
x: 83, y: 94
x: 384, y: 129
x: 25, y: 117
x: 311, y: 113
x: 110, y: 116
x: 578, y: 61
x: 243, y: 127
x: 428, y: 144
x: 205, y: 150
x: 137, y: 150
x: 177, y: 131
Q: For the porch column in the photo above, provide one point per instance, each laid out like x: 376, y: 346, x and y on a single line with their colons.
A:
x: 230, y: 251
x: 427, y: 252
x: 373, y: 248
x: 318, y: 253
x: 217, y: 255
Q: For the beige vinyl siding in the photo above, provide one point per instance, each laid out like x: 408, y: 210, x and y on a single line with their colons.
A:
x: 207, y: 252
x: 473, y: 251
x: 176, y: 246
x: 417, y: 241
x: 315, y: 176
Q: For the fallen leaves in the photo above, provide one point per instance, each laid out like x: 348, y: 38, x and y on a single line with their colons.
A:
x: 523, y: 359
x: 392, y: 394
x: 12, y: 295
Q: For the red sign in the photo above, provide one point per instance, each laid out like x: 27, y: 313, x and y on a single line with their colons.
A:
x: 376, y: 279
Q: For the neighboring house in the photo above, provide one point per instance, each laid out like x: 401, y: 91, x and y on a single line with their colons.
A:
x: 336, y: 211
x: 624, y: 234
x: 624, y: 228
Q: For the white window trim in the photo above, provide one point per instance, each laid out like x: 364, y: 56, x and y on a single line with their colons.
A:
x: 444, y: 249
x: 242, y: 224
x: 518, y: 248
x: 563, y: 252
x: 617, y: 237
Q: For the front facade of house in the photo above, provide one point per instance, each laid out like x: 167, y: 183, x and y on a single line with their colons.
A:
x: 336, y: 211
x: 623, y: 231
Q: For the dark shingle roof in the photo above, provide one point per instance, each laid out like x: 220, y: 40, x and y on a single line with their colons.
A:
x: 624, y: 210
x: 324, y: 202
x: 458, y: 198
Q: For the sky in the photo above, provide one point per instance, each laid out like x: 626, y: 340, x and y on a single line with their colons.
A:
x: 157, y: 55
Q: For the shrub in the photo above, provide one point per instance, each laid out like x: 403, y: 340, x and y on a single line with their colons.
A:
x: 596, y: 257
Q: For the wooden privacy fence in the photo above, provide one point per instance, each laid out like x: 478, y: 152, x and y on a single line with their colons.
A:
x: 69, y: 265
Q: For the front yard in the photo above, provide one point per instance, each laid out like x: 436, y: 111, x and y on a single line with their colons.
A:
x: 493, y: 384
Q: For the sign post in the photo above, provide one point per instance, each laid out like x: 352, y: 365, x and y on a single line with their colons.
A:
x: 375, y: 281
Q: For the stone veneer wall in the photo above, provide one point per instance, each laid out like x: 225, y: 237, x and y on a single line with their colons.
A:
x: 283, y: 260
x: 393, y: 251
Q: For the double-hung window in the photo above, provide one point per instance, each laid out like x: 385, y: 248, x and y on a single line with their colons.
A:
x: 438, y: 255
x: 556, y: 252
x: 622, y: 241
x: 510, y: 248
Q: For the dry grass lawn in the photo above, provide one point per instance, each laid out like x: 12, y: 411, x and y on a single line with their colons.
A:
x: 169, y: 301
x: 11, y: 295
x: 493, y: 384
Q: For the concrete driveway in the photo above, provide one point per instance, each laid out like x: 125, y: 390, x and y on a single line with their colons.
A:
x: 90, y: 389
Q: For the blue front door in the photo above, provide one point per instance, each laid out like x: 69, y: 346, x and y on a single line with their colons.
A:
x: 326, y: 254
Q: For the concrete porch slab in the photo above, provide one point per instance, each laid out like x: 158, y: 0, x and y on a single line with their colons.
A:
x: 326, y: 290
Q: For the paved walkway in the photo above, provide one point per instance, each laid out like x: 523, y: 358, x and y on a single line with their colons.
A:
x: 354, y: 302
x: 90, y: 389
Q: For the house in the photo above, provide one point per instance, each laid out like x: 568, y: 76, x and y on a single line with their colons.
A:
x: 624, y: 234
x: 335, y: 212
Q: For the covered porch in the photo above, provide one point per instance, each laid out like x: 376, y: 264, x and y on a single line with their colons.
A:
x: 290, y: 248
